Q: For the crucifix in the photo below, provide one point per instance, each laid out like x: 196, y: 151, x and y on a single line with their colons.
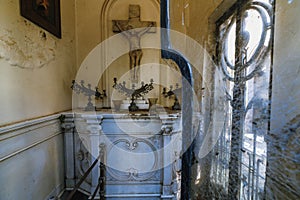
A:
x: 133, y: 29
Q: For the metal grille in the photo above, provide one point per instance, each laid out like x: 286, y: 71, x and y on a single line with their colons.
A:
x: 241, y: 100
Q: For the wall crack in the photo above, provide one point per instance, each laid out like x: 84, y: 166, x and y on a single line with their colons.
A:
x: 27, y: 49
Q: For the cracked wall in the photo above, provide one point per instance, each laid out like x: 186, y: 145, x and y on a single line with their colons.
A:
x: 33, y: 49
x: 36, y: 68
x: 283, y: 158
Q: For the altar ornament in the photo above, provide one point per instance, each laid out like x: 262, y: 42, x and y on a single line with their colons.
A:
x: 170, y: 93
x: 117, y: 104
x: 87, y: 91
x: 133, y: 93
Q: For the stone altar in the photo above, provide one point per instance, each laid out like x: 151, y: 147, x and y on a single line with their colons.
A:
x: 141, y: 153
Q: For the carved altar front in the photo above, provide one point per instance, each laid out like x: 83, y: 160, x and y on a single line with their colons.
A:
x: 140, y: 153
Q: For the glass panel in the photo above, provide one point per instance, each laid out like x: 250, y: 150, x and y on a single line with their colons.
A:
x: 253, y: 167
x: 255, y: 130
x: 253, y: 25
x: 253, y: 81
x: 222, y: 112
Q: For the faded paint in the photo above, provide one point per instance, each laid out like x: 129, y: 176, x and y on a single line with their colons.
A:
x: 34, y: 51
x: 36, y: 68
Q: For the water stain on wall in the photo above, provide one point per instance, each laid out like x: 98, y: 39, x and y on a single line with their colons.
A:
x: 26, y: 46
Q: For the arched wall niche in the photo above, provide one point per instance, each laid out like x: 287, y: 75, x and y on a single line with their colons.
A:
x: 110, y: 5
x: 119, y: 10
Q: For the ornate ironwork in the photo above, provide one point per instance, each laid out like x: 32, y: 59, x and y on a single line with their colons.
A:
x: 87, y: 91
x: 133, y: 93
x: 260, y: 52
x: 175, y: 93
x: 102, y: 167
x: 243, y: 68
x: 132, y: 173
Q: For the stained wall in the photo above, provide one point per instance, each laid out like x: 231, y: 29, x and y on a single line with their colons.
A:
x: 283, y: 157
x: 36, y: 68
x: 196, y: 19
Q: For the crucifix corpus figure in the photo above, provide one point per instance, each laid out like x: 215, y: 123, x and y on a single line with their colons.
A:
x: 133, y: 29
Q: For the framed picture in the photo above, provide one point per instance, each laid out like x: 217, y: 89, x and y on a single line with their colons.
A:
x: 44, y: 13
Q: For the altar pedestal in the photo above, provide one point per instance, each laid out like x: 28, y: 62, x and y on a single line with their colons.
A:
x: 140, y: 152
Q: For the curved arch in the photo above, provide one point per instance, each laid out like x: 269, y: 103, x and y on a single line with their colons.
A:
x: 104, y: 31
x: 104, y: 15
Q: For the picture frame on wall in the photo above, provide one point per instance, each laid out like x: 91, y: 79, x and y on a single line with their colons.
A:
x: 44, y: 13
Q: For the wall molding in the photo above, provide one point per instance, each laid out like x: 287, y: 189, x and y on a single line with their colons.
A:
x: 27, y: 123
x: 28, y: 147
x: 31, y: 151
x: 20, y: 137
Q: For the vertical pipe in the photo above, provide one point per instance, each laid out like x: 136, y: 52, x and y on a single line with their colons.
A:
x: 187, y: 145
x: 165, y: 25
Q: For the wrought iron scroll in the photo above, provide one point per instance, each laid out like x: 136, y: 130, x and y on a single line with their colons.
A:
x: 242, y: 70
x: 133, y: 93
x: 87, y: 91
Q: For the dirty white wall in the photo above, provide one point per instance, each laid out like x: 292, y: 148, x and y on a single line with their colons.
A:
x: 36, y: 68
x: 31, y: 159
x: 283, y: 159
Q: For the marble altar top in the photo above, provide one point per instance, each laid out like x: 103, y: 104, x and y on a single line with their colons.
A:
x: 110, y: 113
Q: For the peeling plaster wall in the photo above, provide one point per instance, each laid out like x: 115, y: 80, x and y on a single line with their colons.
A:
x: 36, y: 68
x: 32, y: 51
x: 283, y: 180
x: 286, y: 69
